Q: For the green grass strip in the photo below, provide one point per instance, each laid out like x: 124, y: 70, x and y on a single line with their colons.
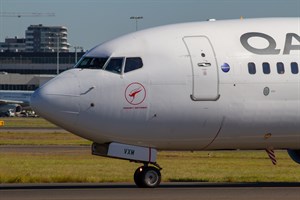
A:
x: 41, y: 138
x: 81, y: 166
x: 26, y: 122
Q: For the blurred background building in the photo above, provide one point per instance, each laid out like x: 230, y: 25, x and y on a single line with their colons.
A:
x: 26, y: 63
x: 41, y: 38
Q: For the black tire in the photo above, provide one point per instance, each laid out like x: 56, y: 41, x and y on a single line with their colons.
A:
x: 150, y: 177
x: 138, y: 177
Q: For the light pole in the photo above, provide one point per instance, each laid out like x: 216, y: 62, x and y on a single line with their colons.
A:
x: 57, y: 54
x: 77, y: 47
x: 136, y: 18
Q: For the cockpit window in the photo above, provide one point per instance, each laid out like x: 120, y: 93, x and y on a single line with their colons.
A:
x: 115, y: 65
x: 92, y: 63
x: 112, y: 64
x: 133, y: 64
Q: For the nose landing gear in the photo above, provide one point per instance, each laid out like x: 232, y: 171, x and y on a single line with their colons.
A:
x: 147, y: 176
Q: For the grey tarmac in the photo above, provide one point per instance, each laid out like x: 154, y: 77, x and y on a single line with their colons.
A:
x: 174, y: 191
x: 32, y: 130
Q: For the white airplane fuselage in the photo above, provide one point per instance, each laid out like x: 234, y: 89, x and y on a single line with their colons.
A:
x: 182, y: 98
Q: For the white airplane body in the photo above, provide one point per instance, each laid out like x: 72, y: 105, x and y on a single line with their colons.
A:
x: 14, y: 100
x: 189, y: 86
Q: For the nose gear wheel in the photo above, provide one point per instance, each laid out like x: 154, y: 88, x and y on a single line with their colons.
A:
x: 147, y: 177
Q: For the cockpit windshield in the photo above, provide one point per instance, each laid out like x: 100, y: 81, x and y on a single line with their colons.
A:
x: 118, y: 65
x: 92, y: 63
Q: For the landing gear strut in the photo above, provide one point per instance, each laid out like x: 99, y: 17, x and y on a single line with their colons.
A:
x: 147, y: 176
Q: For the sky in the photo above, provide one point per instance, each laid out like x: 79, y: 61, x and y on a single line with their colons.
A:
x: 91, y: 22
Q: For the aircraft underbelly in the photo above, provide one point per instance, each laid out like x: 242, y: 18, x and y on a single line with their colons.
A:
x: 253, y: 124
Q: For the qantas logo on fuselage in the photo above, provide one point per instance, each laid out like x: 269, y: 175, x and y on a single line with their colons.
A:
x: 272, y: 48
x: 135, y: 93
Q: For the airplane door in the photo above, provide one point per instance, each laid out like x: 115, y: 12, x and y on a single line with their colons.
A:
x: 204, y: 68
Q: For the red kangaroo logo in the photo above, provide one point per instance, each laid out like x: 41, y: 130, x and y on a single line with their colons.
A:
x: 134, y: 92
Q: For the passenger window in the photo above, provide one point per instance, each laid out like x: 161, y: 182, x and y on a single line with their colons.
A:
x: 294, y: 68
x: 280, y: 68
x: 133, y: 64
x: 251, y: 68
x: 115, y: 65
x: 266, y: 68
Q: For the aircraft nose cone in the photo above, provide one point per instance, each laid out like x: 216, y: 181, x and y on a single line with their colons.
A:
x: 58, y: 100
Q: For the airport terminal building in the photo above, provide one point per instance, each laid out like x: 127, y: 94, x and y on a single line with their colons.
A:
x: 26, y: 63
x: 28, y: 70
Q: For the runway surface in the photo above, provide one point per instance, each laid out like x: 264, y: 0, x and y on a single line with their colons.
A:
x: 32, y: 130
x: 173, y: 191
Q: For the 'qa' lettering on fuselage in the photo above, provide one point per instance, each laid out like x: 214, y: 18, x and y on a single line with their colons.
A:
x: 271, y: 49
